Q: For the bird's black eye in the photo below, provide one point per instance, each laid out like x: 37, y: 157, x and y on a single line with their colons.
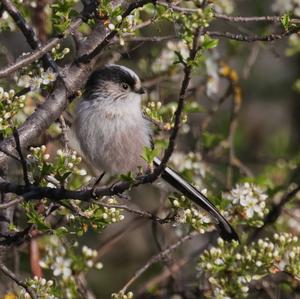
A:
x: 125, y: 86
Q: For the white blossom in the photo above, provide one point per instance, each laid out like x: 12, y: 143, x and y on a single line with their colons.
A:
x: 251, y: 205
x: 111, y: 26
x: 35, y: 83
x: 251, y: 197
x: 99, y: 266
x: 213, y: 82
x: 48, y: 76
x: 61, y: 267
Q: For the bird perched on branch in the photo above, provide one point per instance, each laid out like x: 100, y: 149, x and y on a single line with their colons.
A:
x: 112, y: 133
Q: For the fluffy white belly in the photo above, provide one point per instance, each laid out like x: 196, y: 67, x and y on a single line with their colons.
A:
x: 110, y: 140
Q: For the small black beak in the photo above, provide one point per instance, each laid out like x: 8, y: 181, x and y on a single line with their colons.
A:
x: 141, y: 91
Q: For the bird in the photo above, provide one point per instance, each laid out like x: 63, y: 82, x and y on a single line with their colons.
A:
x: 112, y: 133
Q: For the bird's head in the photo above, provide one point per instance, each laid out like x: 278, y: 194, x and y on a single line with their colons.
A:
x: 113, y: 83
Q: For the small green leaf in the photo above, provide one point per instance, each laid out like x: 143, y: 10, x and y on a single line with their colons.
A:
x: 210, y: 140
x: 127, y: 177
x: 286, y: 21
x: 209, y: 42
x: 149, y: 154
x: 193, y: 107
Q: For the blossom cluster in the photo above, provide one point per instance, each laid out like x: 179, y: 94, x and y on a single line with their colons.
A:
x: 10, y: 105
x: 167, y: 57
x: 35, y: 81
x: 65, y: 261
x: 58, y: 53
x: 44, y: 289
x: 114, y: 18
x: 191, y: 166
x: 186, y: 213
x: 189, y: 22
x: 232, y: 268
x: 95, y: 216
x: 248, y: 202
x: 128, y: 24
x: 121, y: 295
x: 163, y: 114
x: 60, y: 171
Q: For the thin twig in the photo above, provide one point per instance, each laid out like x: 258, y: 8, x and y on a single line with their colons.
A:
x: 37, y: 54
x: 162, y: 255
x: 22, y: 159
x: 22, y: 284
x: 177, y: 115
x: 106, y: 245
x: 275, y: 211
x: 87, y: 57
x: 251, y: 38
x: 240, y: 19
x: 27, y: 31
x: 134, y: 211
x: 11, y: 203
x: 28, y: 58
x: 148, y: 38
x: 236, y: 19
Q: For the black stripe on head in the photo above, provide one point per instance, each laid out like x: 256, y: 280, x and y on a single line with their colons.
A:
x: 110, y: 73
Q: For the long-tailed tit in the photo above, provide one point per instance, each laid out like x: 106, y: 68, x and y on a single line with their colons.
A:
x: 112, y: 133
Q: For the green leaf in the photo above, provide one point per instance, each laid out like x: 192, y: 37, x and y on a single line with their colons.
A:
x: 149, y: 154
x: 210, y: 140
x: 193, y: 107
x: 209, y: 42
x: 61, y: 231
x: 128, y: 177
x: 286, y: 21
x: 38, y: 220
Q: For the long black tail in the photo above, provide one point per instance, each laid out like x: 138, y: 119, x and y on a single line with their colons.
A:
x: 175, y: 180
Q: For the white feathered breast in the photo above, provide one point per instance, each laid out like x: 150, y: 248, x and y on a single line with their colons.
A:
x: 112, y: 134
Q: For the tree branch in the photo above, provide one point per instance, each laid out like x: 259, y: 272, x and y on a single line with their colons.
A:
x: 275, y: 212
x: 22, y: 160
x: 87, y: 57
x: 162, y: 255
x: 237, y: 19
x: 22, y: 284
x: 177, y: 115
x: 240, y: 19
x: 251, y: 38
x: 74, y: 77
x: 27, y: 31
x: 37, y: 54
